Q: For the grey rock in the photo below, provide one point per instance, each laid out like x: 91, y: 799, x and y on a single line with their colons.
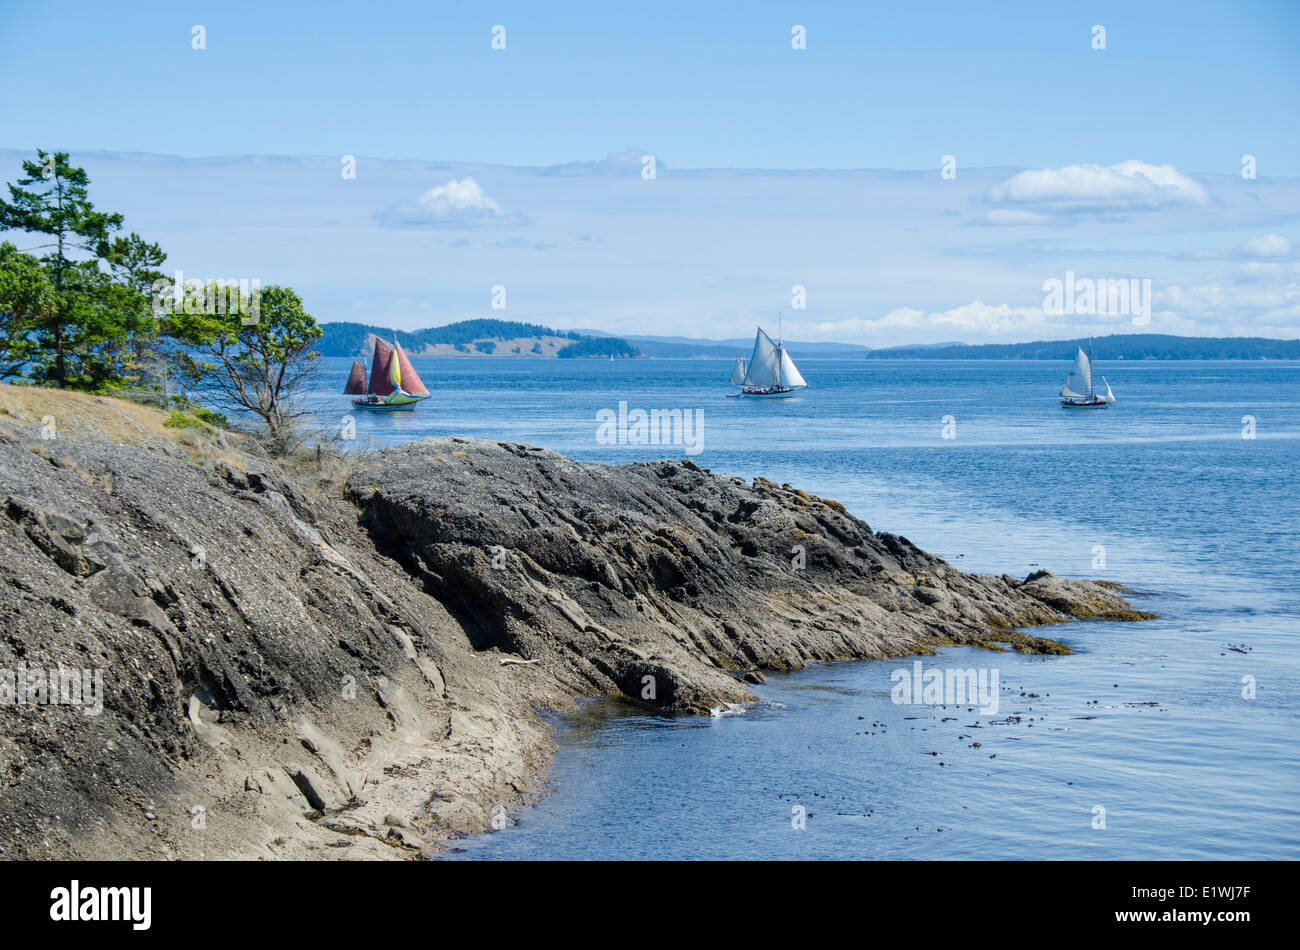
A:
x: 271, y: 650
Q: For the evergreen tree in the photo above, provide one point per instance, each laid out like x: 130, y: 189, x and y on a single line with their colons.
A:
x: 26, y: 302
x: 52, y: 199
x: 134, y: 264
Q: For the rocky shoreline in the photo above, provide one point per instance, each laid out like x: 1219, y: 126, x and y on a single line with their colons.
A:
x: 347, y: 665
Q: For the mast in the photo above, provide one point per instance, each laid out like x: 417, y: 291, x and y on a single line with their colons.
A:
x: 1090, y: 386
x: 780, y: 338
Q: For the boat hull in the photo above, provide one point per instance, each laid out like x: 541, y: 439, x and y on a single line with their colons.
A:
x: 1097, y: 403
x: 405, y: 405
x: 775, y: 393
x: 382, y: 407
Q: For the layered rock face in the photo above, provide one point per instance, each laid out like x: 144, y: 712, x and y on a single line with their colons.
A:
x: 291, y: 673
x: 272, y: 686
x: 662, y: 581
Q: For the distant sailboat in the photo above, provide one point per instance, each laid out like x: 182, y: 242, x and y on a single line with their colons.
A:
x: 770, y: 371
x: 394, y: 384
x: 738, y: 373
x: 1078, y: 392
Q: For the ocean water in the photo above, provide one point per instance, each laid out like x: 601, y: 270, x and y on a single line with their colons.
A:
x: 1173, y: 738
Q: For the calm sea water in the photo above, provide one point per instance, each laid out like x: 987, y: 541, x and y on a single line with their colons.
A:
x: 1145, y: 725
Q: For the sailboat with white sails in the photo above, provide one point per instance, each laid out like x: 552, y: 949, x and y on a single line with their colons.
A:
x: 769, y: 372
x: 1078, y: 392
x: 738, y: 372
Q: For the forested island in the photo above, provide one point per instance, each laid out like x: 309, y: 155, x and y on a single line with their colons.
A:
x: 476, y: 338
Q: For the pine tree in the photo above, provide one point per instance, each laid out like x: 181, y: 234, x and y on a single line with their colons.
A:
x: 51, y: 198
x: 134, y: 262
x: 26, y: 301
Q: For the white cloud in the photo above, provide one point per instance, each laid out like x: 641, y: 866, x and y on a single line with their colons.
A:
x: 458, y: 196
x: 628, y: 162
x: 1267, y: 247
x: 1255, y: 271
x: 1215, y: 308
x: 973, y: 319
x: 1014, y: 216
x: 1098, y: 188
x: 460, y: 203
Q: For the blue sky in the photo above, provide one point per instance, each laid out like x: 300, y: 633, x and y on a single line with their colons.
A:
x: 465, y: 174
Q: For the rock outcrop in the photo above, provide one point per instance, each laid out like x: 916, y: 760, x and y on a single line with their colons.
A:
x: 662, y: 581
x: 293, y: 671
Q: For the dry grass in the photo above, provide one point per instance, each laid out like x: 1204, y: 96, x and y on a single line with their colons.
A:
x: 85, y: 416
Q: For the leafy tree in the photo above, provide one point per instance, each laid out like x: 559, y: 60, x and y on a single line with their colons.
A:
x: 258, y: 367
x: 26, y: 302
x: 52, y: 199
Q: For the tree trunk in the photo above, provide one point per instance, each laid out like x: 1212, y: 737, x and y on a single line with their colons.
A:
x: 60, y: 370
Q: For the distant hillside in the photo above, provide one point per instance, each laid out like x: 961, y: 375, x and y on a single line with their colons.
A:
x: 475, y: 338
x: 1120, y: 346
x: 681, y: 347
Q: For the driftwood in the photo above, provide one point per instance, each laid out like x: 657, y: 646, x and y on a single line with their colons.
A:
x: 507, y: 660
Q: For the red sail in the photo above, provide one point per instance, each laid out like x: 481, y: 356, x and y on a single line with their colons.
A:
x: 356, y: 380
x: 380, y: 384
x: 411, y: 381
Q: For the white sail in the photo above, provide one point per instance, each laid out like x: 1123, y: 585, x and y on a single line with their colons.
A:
x: 790, y: 375
x: 738, y: 374
x: 764, y: 364
x: 1110, y: 396
x: 1079, y: 383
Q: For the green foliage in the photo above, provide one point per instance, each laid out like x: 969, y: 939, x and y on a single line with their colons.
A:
x: 200, y: 412
x: 180, y: 420
x: 27, y: 300
x: 81, y: 313
x: 599, y: 347
x: 51, y: 198
x: 259, y: 367
x: 134, y: 265
x: 471, y: 331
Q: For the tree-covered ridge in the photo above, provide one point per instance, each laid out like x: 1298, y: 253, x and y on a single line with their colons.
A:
x: 1119, y: 346
x: 598, y: 347
x: 468, y: 336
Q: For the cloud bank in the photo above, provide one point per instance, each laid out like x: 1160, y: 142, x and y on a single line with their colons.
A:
x: 885, y: 257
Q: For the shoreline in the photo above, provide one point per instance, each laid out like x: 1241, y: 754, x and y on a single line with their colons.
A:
x: 341, y: 663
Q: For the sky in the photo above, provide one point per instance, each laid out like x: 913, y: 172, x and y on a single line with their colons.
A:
x: 921, y: 171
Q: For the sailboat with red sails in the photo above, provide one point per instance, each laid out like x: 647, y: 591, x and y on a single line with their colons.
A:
x: 393, y: 385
